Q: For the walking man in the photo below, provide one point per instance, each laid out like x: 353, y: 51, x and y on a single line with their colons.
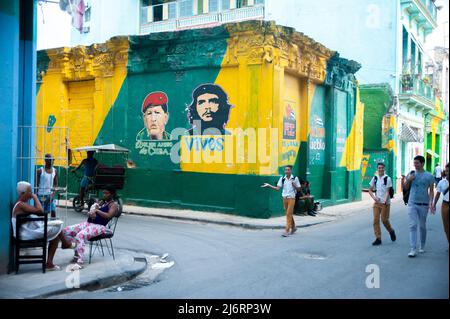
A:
x: 437, y: 173
x: 290, y: 186
x: 421, y: 192
x: 46, y: 181
x: 379, y: 191
x: 442, y: 188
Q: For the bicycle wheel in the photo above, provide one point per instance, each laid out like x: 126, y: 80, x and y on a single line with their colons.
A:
x: 77, y: 205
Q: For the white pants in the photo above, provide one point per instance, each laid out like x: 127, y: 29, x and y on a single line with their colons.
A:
x: 417, y: 216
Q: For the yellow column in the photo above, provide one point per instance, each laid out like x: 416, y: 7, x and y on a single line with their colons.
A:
x: 232, y: 4
x: 205, y: 6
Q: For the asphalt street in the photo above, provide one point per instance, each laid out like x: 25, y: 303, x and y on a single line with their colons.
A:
x: 324, y: 261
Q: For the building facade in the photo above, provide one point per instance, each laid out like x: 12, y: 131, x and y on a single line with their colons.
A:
x: 281, y: 99
x: 388, y: 38
x: 17, y: 100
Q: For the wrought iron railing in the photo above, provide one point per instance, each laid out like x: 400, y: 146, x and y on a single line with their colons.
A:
x: 414, y: 84
x: 176, y: 15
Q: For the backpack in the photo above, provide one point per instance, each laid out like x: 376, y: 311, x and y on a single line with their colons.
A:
x: 391, y: 189
x: 406, y: 193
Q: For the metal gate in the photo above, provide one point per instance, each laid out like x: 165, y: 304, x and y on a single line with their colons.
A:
x: 33, y: 143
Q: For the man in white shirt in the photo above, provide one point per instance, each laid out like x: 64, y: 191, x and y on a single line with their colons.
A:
x: 437, y: 173
x: 381, y: 183
x: 290, y: 186
x: 442, y: 187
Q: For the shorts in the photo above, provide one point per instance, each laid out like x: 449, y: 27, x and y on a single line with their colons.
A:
x: 85, y: 181
x: 47, y: 203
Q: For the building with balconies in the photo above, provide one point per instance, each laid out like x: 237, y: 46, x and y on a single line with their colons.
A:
x: 140, y: 17
x: 389, y: 39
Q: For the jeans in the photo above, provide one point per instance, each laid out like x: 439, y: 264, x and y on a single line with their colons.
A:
x: 417, y: 216
x: 444, y: 212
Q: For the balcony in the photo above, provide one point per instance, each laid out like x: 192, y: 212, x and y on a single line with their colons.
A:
x: 179, y: 15
x: 423, y: 11
x: 416, y: 92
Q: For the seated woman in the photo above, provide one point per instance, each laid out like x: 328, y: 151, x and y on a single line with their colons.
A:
x: 35, y: 229
x: 94, y: 226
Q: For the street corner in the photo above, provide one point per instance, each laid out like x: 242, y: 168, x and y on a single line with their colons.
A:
x: 103, y: 271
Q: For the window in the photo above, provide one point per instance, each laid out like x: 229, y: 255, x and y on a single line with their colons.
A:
x: 405, y: 48
x: 186, y: 8
x: 259, y: 1
x: 241, y: 3
x: 213, y: 5
x: 413, y: 57
x: 172, y: 10
x: 225, y: 4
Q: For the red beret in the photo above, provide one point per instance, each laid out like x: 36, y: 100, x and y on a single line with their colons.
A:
x: 154, y: 99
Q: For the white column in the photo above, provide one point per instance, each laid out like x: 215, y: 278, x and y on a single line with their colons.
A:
x: 165, y: 11
x: 205, y: 6
x: 232, y: 4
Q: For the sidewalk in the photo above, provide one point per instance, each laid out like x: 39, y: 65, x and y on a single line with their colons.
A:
x: 327, y: 214
x: 102, y: 272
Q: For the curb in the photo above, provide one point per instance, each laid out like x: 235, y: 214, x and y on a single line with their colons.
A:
x: 99, y: 283
x: 226, y: 223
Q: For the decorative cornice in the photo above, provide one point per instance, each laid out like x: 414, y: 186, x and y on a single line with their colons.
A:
x: 341, y: 72
x: 81, y: 63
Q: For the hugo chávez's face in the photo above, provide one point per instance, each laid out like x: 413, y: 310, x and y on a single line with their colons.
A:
x: 155, y: 120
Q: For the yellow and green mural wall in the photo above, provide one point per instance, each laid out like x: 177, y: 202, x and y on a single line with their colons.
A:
x: 209, y: 115
x: 433, y: 137
x: 380, y: 131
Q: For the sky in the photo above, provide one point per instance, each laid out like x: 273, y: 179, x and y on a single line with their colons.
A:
x: 54, y: 26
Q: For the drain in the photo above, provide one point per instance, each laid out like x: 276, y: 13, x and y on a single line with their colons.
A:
x: 155, y: 266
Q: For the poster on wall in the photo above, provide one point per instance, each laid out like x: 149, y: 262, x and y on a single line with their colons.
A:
x: 289, y: 122
x: 317, y: 141
x: 290, y: 144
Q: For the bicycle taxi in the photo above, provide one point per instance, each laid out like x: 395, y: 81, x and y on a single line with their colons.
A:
x: 110, y: 172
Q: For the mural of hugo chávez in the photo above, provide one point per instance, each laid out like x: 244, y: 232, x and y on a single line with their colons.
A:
x: 155, y: 113
x: 209, y: 111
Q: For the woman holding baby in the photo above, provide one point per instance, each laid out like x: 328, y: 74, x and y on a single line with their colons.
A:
x: 99, y: 216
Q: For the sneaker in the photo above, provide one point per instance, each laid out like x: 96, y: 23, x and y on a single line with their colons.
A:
x: 376, y: 242
x: 421, y: 250
x: 293, y: 230
x: 412, y: 253
x: 393, y: 236
x: 310, y: 213
x: 285, y: 234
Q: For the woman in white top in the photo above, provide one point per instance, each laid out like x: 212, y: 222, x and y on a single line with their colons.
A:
x: 35, y: 229
x: 443, y: 188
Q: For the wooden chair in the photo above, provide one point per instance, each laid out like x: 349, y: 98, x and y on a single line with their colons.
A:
x: 22, y: 244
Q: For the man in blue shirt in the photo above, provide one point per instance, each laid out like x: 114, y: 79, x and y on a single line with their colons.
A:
x: 421, y: 192
x: 89, y: 163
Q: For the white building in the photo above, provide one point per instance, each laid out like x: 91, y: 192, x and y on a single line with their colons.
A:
x: 138, y: 17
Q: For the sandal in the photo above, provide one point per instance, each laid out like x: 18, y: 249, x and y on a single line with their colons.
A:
x: 55, y: 267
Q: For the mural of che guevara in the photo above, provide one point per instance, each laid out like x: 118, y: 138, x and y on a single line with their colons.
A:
x: 155, y: 113
x: 209, y: 110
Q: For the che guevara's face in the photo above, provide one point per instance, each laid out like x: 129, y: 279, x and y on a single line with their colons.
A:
x: 155, y: 120
x: 207, y: 105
